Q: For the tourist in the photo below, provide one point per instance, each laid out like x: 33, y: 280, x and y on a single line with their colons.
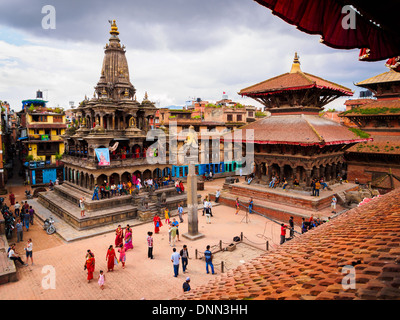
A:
x: 119, y: 237
x: 14, y: 256
x: 251, y: 205
x: 31, y: 214
x: 90, y: 265
x: 20, y: 231
x: 173, y: 232
x: 333, y: 204
x: 291, y: 224
x: 157, y: 223
x: 166, y: 214
x: 26, y: 218
x: 283, y: 233
x: 150, y: 245
x: 185, y: 257
x: 175, y: 257
x: 17, y: 209
x: 208, y: 257
x: 122, y: 256
x: 205, y: 201
x: 217, y: 195
x: 208, y: 215
x: 209, y: 206
x: 180, y: 213
x: 96, y: 192
x: 317, y: 188
x: 176, y: 224
x: 186, y: 285
x: 128, y: 239
x: 110, y: 258
x: 101, y: 280
x: 12, y: 199
x: 29, y: 250
x: 237, y: 204
x: 82, y: 206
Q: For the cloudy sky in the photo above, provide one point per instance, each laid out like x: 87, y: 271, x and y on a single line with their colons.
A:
x: 176, y: 50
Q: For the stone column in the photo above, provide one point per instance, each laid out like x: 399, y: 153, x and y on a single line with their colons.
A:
x: 193, y: 222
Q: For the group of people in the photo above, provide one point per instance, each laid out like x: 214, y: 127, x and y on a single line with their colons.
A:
x: 316, y: 185
x: 24, y: 214
x: 14, y: 256
x: 179, y: 186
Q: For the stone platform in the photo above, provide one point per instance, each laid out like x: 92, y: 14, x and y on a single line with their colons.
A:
x: 63, y: 202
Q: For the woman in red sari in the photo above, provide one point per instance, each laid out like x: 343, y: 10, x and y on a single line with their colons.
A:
x: 110, y: 258
x: 119, y: 237
x: 157, y: 223
x: 89, y: 265
x: 181, y: 186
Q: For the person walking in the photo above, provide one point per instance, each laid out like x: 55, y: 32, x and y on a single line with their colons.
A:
x: 96, y: 192
x: 31, y: 214
x: 17, y: 207
x: 251, y: 205
x: 208, y: 215
x: 26, y: 220
x: 208, y: 257
x: 110, y: 258
x: 175, y: 257
x: 184, y: 253
x: 333, y: 204
x: 89, y: 265
x: 283, y: 233
x: 122, y: 256
x: 180, y: 213
x: 237, y: 205
x: 173, y: 234
x: 119, y: 237
x: 102, y: 279
x: 157, y: 223
x: 20, y: 231
x: 176, y: 224
x: 82, y: 206
x: 150, y: 245
x: 12, y: 198
x: 209, y: 205
x: 29, y: 250
x: 128, y: 239
x: 317, y: 188
x: 166, y: 214
x: 204, y: 205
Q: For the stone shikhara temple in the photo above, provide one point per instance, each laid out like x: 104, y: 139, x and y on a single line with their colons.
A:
x: 295, y: 141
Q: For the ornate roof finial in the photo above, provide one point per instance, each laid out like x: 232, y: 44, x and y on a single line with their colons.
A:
x: 146, y: 97
x: 114, y: 28
x: 296, y: 64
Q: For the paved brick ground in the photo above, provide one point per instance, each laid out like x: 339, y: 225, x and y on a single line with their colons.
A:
x: 142, y: 278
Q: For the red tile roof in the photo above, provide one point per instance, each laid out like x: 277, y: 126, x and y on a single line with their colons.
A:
x: 376, y: 108
x: 312, y: 265
x: 293, y: 81
x: 298, y: 129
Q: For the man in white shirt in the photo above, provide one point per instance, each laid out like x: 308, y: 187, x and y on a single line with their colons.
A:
x: 13, y: 256
x: 175, y: 257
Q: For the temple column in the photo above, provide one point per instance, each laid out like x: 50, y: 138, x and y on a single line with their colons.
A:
x: 113, y: 121
x: 308, y: 176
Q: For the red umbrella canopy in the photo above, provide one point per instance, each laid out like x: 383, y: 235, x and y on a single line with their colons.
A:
x: 345, y: 25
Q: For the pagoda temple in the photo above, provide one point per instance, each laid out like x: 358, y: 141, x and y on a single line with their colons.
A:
x: 295, y: 141
x: 378, y: 161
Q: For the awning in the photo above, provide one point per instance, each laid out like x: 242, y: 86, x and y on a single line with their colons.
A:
x: 23, y: 138
x: 376, y: 32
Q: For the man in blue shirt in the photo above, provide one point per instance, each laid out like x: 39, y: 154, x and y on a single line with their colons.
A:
x: 208, y: 257
x: 175, y: 257
x: 180, y: 213
x: 96, y: 192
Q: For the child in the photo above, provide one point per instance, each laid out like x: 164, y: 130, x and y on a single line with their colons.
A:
x: 102, y: 279
x: 122, y: 256
x: 150, y: 245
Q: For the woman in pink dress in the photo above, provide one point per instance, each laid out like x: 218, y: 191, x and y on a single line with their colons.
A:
x: 122, y: 256
x: 128, y: 239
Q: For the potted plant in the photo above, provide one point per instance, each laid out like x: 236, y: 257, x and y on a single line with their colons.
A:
x: 58, y: 158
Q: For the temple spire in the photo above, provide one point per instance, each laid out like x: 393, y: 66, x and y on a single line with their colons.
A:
x: 114, y: 29
x: 296, y: 64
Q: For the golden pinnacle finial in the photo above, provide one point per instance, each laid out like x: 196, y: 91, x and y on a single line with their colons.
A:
x: 114, y: 28
x: 296, y: 64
